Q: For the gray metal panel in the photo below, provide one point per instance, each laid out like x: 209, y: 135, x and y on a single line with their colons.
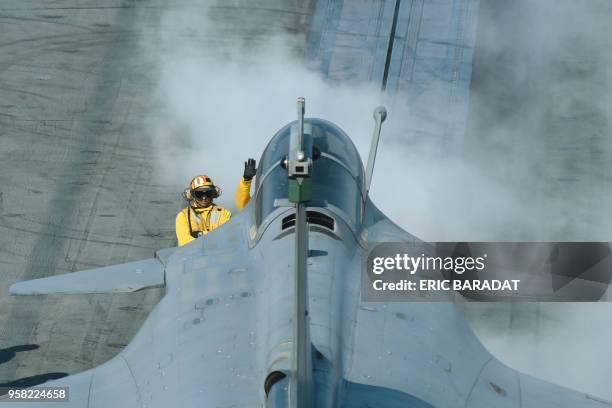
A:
x: 497, y: 386
x: 113, y: 384
x: 200, y: 345
x: 422, y: 349
x: 536, y: 393
x: 128, y: 277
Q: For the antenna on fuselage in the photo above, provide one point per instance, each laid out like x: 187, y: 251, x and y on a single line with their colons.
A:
x: 299, y: 169
x: 380, y: 114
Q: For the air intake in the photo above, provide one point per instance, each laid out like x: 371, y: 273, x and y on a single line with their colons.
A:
x: 313, y: 218
x: 271, y: 379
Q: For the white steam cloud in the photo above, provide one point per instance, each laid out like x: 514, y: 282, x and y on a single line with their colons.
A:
x: 222, y: 99
x: 221, y: 103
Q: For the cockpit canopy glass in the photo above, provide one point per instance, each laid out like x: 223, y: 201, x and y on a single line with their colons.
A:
x: 337, y: 175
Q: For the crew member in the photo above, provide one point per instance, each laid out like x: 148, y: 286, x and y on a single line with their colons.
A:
x: 243, y: 192
x: 201, y: 215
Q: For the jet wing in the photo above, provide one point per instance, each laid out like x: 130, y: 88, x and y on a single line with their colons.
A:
x: 199, y: 343
x: 403, y: 356
x: 424, y: 354
x: 123, y: 278
x: 110, y: 384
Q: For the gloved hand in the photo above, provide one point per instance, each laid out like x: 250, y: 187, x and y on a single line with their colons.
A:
x: 249, y: 169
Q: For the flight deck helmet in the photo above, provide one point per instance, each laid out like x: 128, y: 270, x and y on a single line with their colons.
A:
x: 201, y: 188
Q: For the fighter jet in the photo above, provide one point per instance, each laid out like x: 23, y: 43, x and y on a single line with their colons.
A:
x: 267, y: 311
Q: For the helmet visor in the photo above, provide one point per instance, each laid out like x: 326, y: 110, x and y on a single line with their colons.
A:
x: 204, y: 193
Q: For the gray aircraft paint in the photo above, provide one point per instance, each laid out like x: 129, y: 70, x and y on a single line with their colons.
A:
x: 225, y: 321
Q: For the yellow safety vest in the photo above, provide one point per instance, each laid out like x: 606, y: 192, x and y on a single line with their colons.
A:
x: 193, y: 222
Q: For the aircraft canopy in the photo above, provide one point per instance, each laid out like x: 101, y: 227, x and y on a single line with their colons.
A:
x: 337, y: 176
